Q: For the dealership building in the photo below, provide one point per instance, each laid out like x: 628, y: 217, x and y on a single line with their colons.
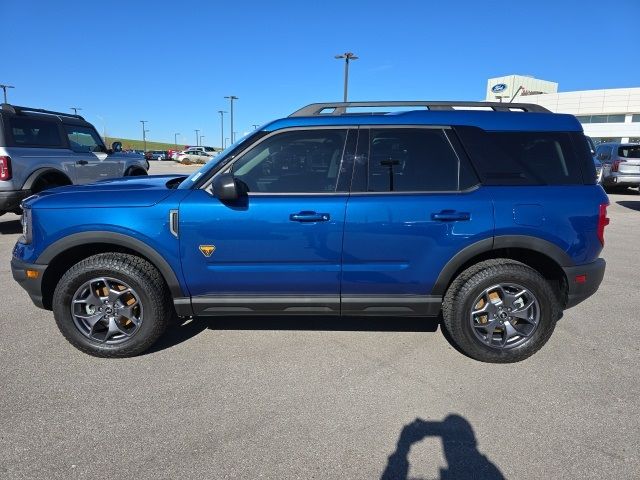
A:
x: 607, y: 115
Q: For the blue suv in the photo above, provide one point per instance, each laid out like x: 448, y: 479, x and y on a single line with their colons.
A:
x: 487, y: 214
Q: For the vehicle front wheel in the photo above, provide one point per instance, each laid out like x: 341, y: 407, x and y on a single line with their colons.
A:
x: 112, y: 305
x: 500, y: 311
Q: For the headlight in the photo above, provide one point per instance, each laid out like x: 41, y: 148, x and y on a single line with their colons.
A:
x: 27, y: 226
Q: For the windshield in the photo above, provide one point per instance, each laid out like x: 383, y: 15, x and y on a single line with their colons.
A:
x: 211, y: 164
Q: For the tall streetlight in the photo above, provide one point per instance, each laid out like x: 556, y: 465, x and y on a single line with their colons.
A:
x: 348, y: 56
x: 4, y: 90
x: 175, y: 140
x: 144, y: 133
x: 197, y: 137
x: 201, y: 137
x: 75, y: 110
x: 225, y: 142
x: 255, y: 126
x: 231, y: 99
x: 222, y: 112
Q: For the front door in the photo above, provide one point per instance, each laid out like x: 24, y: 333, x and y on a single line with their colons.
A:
x: 91, y: 160
x: 277, y: 250
x: 412, y: 208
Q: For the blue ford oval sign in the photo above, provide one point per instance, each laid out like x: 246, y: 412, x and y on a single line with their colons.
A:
x: 499, y: 87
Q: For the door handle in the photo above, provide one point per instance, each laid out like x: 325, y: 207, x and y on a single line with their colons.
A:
x: 451, y: 216
x: 82, y: 162
x: 309, y: 217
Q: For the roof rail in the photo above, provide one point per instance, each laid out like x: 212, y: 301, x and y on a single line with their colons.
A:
x: 17, y: 109
x: 340, y: 108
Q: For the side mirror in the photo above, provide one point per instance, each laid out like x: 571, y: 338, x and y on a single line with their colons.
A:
x: 116, y: 147
x: 226, y: 188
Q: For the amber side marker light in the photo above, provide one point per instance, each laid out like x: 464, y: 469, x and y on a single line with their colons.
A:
x: 32, y: 274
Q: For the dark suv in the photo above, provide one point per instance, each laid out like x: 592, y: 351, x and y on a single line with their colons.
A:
x: 41, y: 149
x: 486, y: 213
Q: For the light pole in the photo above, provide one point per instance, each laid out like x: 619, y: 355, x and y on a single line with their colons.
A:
x: 231, y: 99
x: 75, y: 110
x: 225, y: 141
x: 144, y: 134
x: 4, y: 90
x: 201, y: 137
x: 255, y: 126
x: 348, y: 56
x: 197, y: 137
x: 222, y: 112
x: 175, y: 140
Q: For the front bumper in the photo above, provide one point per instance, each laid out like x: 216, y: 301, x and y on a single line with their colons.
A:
x: 593, y: 274
x: 10, y: 201
x: 33, y: 286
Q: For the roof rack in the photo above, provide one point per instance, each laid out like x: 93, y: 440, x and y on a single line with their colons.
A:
x: 17, y: 109
x: 340, y: 108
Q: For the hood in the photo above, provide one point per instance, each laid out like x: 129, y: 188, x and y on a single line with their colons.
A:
x: 137, y: 191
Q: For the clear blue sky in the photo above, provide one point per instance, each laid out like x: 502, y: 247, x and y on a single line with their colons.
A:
x: 171, y: 63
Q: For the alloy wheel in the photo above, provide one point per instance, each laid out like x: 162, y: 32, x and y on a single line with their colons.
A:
x: 107, y: 310
x: 505, y: 315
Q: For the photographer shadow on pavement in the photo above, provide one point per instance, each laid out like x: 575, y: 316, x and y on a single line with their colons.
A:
x: 459, y: 444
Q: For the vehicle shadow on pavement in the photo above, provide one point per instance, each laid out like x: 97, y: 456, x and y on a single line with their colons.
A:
x: 460, y: 449
x: 183, y: 331
x: 10, y: 228
x: 633, y: 205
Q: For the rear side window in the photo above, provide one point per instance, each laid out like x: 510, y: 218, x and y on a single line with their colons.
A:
x: 31, y: 132
x: 414, y: 160
x: 528, y: 158
x: 629, y: 151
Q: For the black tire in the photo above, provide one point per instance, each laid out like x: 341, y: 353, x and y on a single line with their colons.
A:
x: 459, y: 299
x: 143, y: 277
x: 135, y: 172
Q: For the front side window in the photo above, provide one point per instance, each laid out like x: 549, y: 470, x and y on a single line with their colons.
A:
x: 412, y: 160
x: 83, y: 139
x: 293, y: 162
x: 30, y: 132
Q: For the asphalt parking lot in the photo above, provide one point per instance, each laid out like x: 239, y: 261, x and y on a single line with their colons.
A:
x: 326, y: 398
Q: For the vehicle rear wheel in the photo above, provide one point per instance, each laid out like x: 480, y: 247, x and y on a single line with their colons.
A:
x: 112, y: 305
x: 500, y: 311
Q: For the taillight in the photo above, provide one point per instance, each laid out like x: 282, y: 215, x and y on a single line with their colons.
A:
x: 603, y: 221
x: 5, y: 168
x: 616, y: 165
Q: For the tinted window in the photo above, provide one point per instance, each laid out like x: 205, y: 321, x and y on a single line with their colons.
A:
x: 632, y: 151
x: 83, y: 139
x: 411, y: 160
x: 299, y: 161
x: 635, y: 117
x: 528, y: 158
x: 29, y: 132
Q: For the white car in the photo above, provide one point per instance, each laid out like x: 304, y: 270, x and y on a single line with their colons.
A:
x: 194, y: 156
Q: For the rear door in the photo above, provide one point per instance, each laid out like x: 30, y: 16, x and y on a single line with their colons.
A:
x: 414, y: 205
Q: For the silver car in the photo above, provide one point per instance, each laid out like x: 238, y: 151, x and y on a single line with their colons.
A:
x: 620, y: 164
x: 41, y: 149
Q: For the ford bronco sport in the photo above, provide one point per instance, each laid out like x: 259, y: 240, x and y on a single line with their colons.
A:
x: 41, y: 149
x: 486, y: 213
